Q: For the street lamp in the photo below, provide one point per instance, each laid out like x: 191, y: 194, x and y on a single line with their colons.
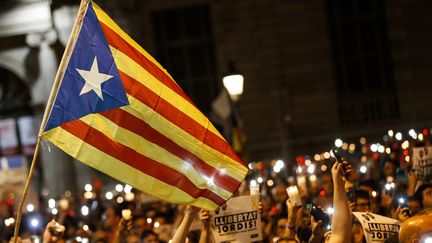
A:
x: 233, y: 82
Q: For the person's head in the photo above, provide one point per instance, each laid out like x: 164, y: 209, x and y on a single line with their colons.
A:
x: 148, y: 236
x: 363, y: 202
x: 389, y: 168
x: 112, y: 217
x: 286, y: 240
x: 327, y: 183
x: 280, y: 225
x: 424, y: 193
x: 414, y: 205
x: 279, y: 193
x: 416, y: 229
x: 132, y: 238
x: 139, y: 225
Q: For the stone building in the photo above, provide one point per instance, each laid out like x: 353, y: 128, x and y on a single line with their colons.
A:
x: 315, y: 70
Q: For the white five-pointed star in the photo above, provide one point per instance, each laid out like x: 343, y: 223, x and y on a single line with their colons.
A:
x: 93, y: 79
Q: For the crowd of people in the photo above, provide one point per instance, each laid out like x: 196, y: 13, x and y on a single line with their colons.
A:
x: 325, y: 214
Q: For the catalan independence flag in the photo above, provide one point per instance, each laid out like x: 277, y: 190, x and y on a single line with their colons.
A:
x: 117, y: 110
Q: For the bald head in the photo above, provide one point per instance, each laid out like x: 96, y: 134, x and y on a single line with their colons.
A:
x: 416, y: 229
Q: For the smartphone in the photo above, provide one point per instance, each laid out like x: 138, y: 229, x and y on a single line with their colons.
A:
x: 319, y: 214
x: 403, y: 202
x: 57, y: 230
x: 338, y: 157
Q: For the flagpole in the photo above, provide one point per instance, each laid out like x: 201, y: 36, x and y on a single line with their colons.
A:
x: 57, y: 80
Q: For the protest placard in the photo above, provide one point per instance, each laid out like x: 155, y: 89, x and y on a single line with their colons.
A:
x: 422, y: 162
x: 240, y: 221
x: 376, y: 227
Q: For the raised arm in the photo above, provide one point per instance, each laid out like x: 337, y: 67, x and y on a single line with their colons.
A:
x: 182, y: 231
x: 341, y: 221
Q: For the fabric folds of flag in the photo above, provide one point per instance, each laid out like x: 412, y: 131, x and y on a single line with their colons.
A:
x: 118, y: 111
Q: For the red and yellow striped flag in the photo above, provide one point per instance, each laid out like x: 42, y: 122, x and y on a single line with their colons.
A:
x: 118, y: 111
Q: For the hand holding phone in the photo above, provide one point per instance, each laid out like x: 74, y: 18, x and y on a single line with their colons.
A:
x: 319, y: 214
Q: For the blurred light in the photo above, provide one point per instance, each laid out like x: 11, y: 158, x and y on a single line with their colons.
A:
x: 276, y: 169
x: 364, y: 149
x: 363, y: 169
x: 270, y: 183
x: 127, y: 188
x: 308, y: 162
x: 119, y: 187
x: 68, y: 193
x: 323, y: 167
x: 88, y: 195
x: 390, y: 133
x: 88, y: 188
x: 387, y: 186
x: 84, y: 210
x: 388, y: 150
x: 64, y: 204
x: 253, y: 183
x: 10, y: 221
x: 338, y: 142
x: 130, y: 196
x: 51, y: 203
x: 234, y: 85
x: 398, y: 136
x: 109, y: 195
x: 78, y: 239
x: 420, y: 137
x: 392, y: 185
x: 362, y: 140
x: 149, y: 220
x: 364, y: 159
x: 85, y: 227
x: 401, y: 200
x: 374, y: 194
x: 156, y: 224
x: 251, y: 166
x: 260, y: 180
x: 34, y: 222
x: 351, y: 147
x: 344, y: 146
x: 374, y: 147
x: 407, y: 159
x: 330, y: 210
x: 311, y: 169
x: 312, y: 178
x: 280, y: 163
x: 412, y: 133
x: 405, y: 144
x: 428, y: 240
x: 120, y: 200
x: 299, y: 169
x: 326, y: 155
x: 381, y: 148
x: 54, y: 211
x: 317, y: 157
x: 30, y: 207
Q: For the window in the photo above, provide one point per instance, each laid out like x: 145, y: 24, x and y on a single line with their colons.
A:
x: 184, y: 45
x: 362, y: 61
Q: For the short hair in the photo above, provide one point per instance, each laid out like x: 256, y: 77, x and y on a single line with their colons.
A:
x: 146, y: 233
x: 419, y: 192
x: 362, y: 194
x: 290, y: 239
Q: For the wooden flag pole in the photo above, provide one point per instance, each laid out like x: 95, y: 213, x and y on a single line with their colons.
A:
x: 57, y: 81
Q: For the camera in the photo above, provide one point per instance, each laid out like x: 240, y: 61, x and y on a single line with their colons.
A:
x: 319, y: 214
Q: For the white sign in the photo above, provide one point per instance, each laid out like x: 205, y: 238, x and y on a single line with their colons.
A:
x: 240, y: 221
x: 422, y: 162
x: 376, y: 227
